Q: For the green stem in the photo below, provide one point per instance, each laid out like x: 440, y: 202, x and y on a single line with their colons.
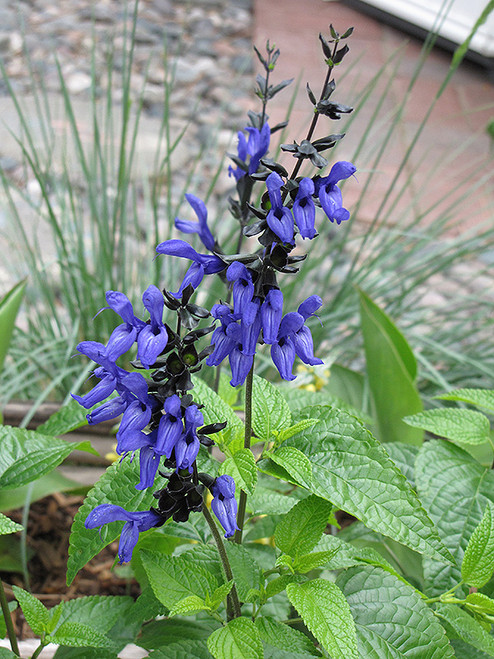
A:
x: 233, y: 601
x: 8, y: 621
x: 291, y: 621
x: 38, y: 651
x: 247, y: 436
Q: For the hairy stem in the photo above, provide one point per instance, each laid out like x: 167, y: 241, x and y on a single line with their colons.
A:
x: 8, y: 621
x: 233, y: 608
x: 247, y: 436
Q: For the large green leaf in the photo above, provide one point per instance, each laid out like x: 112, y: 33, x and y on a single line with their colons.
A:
x: 301, y: 529
x: 478, y: 562
x: 9, y: 306
x: 36, y: 614
x: 173, y: 578
x: 242, y: 468
x: 239, y: 639
x: 326, y: 613
x: 69, y: 417
x: 464, y: 427
x: 284, y: 637
x: 466, y: 628
x: 246, y: 571
x: 352, y: 470
x: 270, y: 411
x: 216, y: 410
x: 98, y: 612
x: 183, y: 649
x: 455, y: 489
x: 391, y: 371
x: 391, y: 618
x: 117, y: 486
x: 8, y: 526
x: 483, y: 398
x: 26, y: 455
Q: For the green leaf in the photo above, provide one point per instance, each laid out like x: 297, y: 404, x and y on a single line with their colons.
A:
x: 75, y: 634
x: 466, y: 628
x: 225, y: 390
x: 352, y: 470
x: 268, y: 502
x: 391, y: 371
x: 174, y: 578
x: 9, y: 307
x: 183, y: 649
x: 296, y: 428
x: 8, y: 526
x: 52, y: 482
x: 308, y: 562
x: 187, y: 606
x: 483, y: 398
x: 242, y: 467
x: 164, y: 633
x: 97, y: 612
x: 404, y: 456
x: 464, y: 427
x: 220, y: 594
x: 26, y: 455
x: 455, y: 489
x: 391, y: 618
x: 301, y: 529
x: 478, y: 562
x: 279, y: 584
x: 215, y: 410
x: 284, y: 637
x: 324, y: 610
x: 36, y: 614
x: 117, y: 486
x: 5, y: 653
x: 246, y: 572
x: 270, y: 411
x: 480, y: 603
x: 294, y: 461
x: 68, y: 418
x: 239, y: 639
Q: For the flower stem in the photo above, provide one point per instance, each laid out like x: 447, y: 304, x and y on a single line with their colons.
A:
x: 8, y: 621
x: 233, y: 609
x: 247, y: 436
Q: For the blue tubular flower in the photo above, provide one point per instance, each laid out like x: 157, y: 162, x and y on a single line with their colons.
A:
x: 279, y: 218
x: 148, y: 466
x: 221, y: 339
x: 271, y: 314
x: 135, y: 523
x: 124, y: 335
x: 187, y: 446
x: 304, y: 209
x: 203, y: 264
x: 330, y: 194
x: 258, y: 145
x: 170, y: 427
x: 130, y: 436
x: 102, y: 390
x: 240, y: 365
x: 250, y: 331
x: 309, y: 306
x: 200, y: 227
x: 153, y: 337
x: 243, y: 288
x: 224, y: 504
x: 283, y: 350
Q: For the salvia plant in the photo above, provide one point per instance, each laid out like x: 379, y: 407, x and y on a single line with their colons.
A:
x: 282, y: 583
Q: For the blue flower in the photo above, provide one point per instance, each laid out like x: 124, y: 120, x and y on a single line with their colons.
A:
x: 200, y: 227
x: 243, y: 290
x: 330, y: 194
x: 187, y: 446
x: 203, y: 264
x: 256, y: 147
x: 224, y: 504
x: 135, y: 523
x: 271, y: 314
x: 279, y: 218
x: 170, y: 427
x: 153, y: 337
x: 304, y: 209
x: 124, y: 335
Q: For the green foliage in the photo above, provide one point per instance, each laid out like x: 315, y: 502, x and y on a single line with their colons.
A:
x: 242, y: 467
x: 391, y: 371
x: 37, y: 616
x: 239, y: 639
x: 8, y: 526
x: 293, y: 461
x: 326, y: 613
x: 483, y: 398
x: 68, y: 418
x: 391, y: 619
x: 301, y: 529
x: 216, y: 410
x: 352, y: 470
x: 273, y: 633
x: 477, y: 566
x: 463, y: 427
x: 270, y: 412
x: 9, y: 307
x: 466, y: 628
x: 455, y: 490
x: 27, y: 455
